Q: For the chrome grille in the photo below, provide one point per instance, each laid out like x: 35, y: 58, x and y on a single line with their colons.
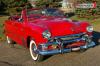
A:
x: 70, y: 37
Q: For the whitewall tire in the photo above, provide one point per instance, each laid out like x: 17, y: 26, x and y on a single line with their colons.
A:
x: 9, y: 41
x: 34, y: 55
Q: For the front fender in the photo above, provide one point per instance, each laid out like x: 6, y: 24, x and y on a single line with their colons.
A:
x: 36, y: 34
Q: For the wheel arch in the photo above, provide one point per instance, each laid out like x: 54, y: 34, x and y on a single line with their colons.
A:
x: 29, y: 38
x: 28, y: 41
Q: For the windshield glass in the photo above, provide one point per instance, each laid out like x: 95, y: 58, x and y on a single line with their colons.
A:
x: 47, y: 12
x: 53, y: 12
x: 33, y: 12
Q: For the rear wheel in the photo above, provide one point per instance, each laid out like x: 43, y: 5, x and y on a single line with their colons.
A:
x: 34, y: 55
x: 10, y: 41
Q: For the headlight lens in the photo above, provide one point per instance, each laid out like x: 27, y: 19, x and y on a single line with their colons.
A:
x: 46, y: 34
x: 90, y: 28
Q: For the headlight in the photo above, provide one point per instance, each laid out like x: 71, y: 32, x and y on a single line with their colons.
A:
x: 90, y: 28
x: 46, y: 34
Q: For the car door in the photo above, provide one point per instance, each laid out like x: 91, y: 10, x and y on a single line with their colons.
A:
x: 9, y: 28
x: 19, y: 31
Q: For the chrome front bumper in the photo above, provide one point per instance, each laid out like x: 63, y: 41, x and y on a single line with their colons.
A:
x: 64, y: 41
x: 65, y: 50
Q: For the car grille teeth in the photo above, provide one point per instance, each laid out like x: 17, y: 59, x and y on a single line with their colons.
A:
x: 70, y: 37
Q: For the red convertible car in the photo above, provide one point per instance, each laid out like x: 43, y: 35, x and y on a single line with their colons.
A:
x: 48, y: 32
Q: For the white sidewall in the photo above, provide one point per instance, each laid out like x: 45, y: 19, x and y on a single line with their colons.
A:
x: 8, y: 40
x: 31, y: 51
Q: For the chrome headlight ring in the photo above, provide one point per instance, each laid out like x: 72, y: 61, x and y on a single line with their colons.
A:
x: 46, y: 34
x: 90, y: 28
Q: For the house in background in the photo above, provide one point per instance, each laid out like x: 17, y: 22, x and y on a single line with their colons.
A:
x: 33, y: 2
x: 68, y: 6
x: 65, y: 5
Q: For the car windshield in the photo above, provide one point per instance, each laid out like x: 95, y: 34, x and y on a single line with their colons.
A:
x: 53, y: 12
x: 47, y: 12
x: 32, y: 12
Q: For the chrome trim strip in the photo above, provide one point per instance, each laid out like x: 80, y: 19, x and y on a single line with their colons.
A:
x: 70, y: 35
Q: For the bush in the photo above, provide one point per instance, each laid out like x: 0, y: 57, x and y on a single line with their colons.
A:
x: 89, y: 13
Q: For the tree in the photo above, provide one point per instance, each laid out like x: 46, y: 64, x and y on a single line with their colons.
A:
x: 47, y: 3
x: 9, y: 3
x: 12, y: 5
x: 5, y: 5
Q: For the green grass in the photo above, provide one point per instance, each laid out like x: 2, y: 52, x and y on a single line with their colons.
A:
x: 93, y: 22
x: 2, y: 19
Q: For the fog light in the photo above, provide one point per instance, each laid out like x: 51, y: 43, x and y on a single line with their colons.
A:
x: 46, y: 47
x: 52, y: 47
x: 43, y: 47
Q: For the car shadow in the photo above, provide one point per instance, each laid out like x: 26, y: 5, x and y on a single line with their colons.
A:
x: 96, y: 37
x: 47, y: 57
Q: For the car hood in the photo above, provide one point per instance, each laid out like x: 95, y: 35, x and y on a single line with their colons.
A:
x: 60, y: 26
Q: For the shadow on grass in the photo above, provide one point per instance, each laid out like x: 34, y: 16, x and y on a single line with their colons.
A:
x: 96, y: 37
x: 47, y: 57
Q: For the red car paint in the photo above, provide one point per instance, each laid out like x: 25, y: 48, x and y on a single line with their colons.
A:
x: 20, y: 31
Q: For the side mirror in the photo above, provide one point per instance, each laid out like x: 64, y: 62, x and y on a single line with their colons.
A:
x: 20, y: 19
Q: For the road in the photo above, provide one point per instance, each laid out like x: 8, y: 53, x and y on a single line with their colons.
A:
x: 20, y: 56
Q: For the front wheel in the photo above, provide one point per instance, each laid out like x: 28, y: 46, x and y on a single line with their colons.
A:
x: 34, y: 55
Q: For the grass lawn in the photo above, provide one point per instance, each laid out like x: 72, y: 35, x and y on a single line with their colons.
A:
x: 2, y: 19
